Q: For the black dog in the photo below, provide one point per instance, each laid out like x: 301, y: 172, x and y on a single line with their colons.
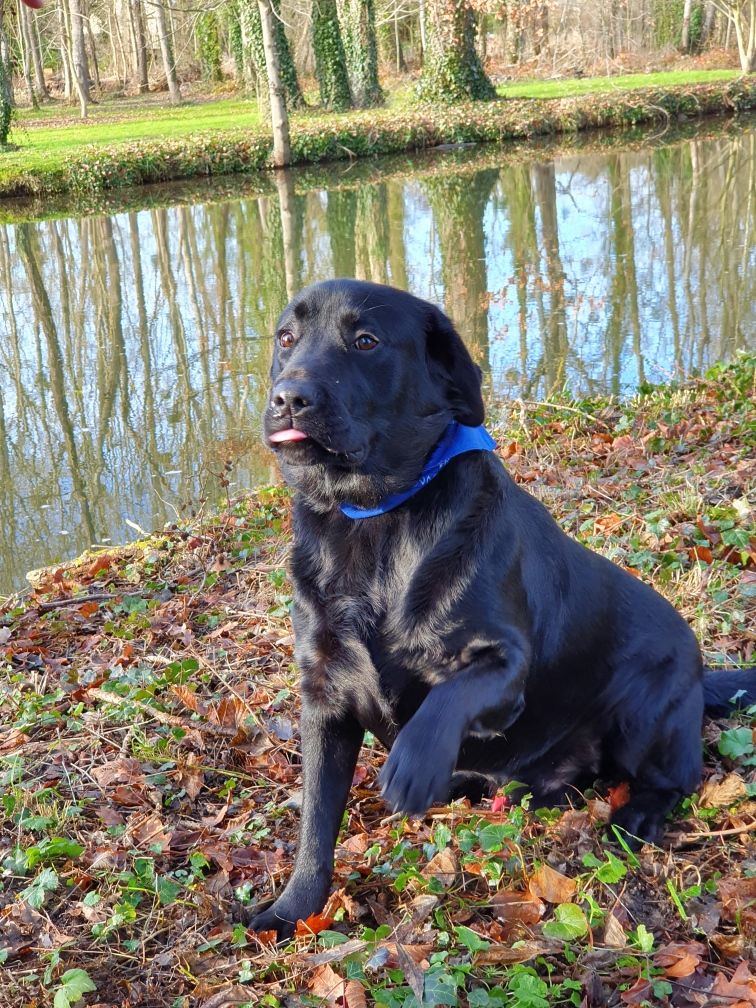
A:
x: 446, y: 612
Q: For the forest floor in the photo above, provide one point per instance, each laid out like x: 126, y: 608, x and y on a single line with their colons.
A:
x: 134, y: 141
x: 149, y: 765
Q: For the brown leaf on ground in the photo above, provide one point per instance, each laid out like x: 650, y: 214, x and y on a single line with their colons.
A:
x: 728, y: 946
x: 123, y: 770
x: 326, y: 983
x: 228, y: 997
x: 417, y: 953
x: 413, y: 972
x: 189, y: 774
x: 680, y: 959
x: 614, y: 933
x: 738, y: 898
x: 718, y: 793
x: 354, y: 995
x: 147, y: 833
x: 520, y: 952
x: 11, y: 740
x: 442, y: 867
x: 639, y: 993
x: 314, y: 924
x: 512, y: 906
x: 737, y: 992
x: 550, y: 885
x: 334, y: 954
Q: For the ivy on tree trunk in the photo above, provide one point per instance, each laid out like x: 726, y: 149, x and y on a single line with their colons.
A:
x: 452, y: 70
x: 294, y: 98
x: 330, y: 61
x: 6, y: 99
x: 208, y: 42
x: 357, y: 19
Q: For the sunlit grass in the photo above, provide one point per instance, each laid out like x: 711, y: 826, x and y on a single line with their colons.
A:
x: 598, y: 85
x: 43, y: 149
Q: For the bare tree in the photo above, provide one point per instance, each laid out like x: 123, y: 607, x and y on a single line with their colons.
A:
x: 166, y: 51
x: 279, y: 117
x: 741, y: 15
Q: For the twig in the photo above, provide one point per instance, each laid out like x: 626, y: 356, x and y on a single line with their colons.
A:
x: 76, y: 600
x: 692, y: 837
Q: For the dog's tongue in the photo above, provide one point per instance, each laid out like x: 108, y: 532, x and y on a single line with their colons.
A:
x: 292, y: 434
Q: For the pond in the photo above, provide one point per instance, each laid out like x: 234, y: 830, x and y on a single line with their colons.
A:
x: 135, y: 346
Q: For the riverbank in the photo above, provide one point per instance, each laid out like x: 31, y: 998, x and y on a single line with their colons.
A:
x: 201, y: 150
x: 150, y: 768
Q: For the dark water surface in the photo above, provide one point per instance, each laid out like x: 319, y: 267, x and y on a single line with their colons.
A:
x: 134, y: 347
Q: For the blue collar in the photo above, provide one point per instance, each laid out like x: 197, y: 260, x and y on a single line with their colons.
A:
x: 456, y: 440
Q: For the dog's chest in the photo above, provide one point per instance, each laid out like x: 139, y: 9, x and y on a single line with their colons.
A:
x: 352, y: 646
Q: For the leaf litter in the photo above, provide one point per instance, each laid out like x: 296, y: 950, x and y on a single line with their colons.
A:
x: 150, y: 768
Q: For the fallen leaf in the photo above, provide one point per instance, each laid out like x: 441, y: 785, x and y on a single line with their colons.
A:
x: 413, y: 974
x: 520, y: 952
x: 720, y: 793
x: 510, y: 905
x: 326, y: 983
x: 354, y: 995
x: 314, y: 924
x: 551, y: 885
x: 334, y: 954
x: 618, y: 796
x: 614, y: 933
x: 442, y: 867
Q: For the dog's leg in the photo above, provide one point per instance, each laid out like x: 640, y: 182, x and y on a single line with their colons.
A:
x: 661, y: 770
x: 330, y: 746
x: 487, y: 694
x: 471, y: 785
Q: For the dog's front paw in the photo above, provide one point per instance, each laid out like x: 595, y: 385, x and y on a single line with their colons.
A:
x: 277, y: 917
x: 417, y: 774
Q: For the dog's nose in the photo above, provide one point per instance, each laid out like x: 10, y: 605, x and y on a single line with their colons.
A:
x: 293, y: 397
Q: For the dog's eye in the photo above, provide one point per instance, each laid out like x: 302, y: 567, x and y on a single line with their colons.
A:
x: 365, y: 341
x: 286, y: 339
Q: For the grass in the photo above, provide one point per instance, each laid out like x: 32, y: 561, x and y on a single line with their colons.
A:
x: 149, y: 765
x: 539, y: 89
x: 46, y: 149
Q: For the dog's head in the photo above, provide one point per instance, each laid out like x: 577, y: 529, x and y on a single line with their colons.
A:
x: 365, y: 379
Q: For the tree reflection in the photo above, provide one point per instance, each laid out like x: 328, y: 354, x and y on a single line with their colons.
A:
x: 136, y: 347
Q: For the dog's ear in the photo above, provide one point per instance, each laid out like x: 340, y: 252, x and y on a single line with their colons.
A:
x: 463, y: 378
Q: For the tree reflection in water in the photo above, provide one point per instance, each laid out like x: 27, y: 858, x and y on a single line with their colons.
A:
x: 135, y: 349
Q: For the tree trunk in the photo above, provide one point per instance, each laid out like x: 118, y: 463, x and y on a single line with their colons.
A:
x: 6, y: 88
x: 452, y: 70
x: 685, y: 36
x: 31, y: 39
x: 93, y: 52
x: 330, y: 62
x: 278, y: 115
x: 252, y: 26
x: 35, y: 45
x: 79, y: 56
x: 166, y: 51
x: 208, y: 43
x: 136, y: 14
x: 23, y: 41
x: 357, y: 20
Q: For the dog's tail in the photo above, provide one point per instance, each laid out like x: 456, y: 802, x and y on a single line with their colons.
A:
x: 729, y: 690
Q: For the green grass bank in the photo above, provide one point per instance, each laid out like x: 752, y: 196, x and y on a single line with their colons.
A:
x: 149, y: 765
x: 227, y: 137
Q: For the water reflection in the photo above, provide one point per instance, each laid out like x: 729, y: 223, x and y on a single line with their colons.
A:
x: 135, y: 349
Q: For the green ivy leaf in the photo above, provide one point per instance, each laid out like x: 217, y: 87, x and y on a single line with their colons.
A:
x: 75, y: 984
x: 36, y: 893
x: 736, y: 743
x: 569, y: 922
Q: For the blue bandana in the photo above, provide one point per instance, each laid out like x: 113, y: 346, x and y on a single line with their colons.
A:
x: 457, y: 440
